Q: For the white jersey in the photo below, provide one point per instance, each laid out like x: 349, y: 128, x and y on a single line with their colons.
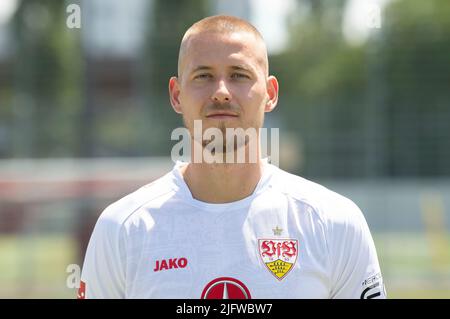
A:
x: 291, y: 238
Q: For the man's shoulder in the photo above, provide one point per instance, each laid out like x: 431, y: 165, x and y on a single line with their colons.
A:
x: 322, y: 200
x: 119, y: 211
x: 305, y: 190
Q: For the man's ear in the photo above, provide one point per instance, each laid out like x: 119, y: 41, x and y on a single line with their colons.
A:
x: 272, y: 94
x: 174, y: 93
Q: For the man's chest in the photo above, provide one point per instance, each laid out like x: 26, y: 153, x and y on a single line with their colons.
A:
x: 240, y: 258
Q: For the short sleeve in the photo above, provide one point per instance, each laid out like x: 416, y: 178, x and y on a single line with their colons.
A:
x: 355, y: 269
x: 103, y: 274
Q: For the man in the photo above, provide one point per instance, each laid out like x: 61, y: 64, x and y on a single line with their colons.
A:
x: 229, y: 229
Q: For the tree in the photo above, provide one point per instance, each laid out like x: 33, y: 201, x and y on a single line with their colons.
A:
x: 46, y: 81
x: 380, y: 109
x: 416, y: 46
x: 322, y: 81
x: 169, y: 20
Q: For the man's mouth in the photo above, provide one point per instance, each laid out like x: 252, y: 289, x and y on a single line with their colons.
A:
x: 222, y: 115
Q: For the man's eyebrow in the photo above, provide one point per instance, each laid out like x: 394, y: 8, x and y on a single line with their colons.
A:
x: 238, y: 67
x: 241, y: 67
x: 201, y: 68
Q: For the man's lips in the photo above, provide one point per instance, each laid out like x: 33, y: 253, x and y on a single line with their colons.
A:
x: 221, y: 115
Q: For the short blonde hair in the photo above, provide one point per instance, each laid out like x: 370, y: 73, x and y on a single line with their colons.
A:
x: 222, y: 24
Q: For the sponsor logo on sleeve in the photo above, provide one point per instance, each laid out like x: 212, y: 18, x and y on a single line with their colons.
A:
x: 373, y: 287
x: 82, y: 291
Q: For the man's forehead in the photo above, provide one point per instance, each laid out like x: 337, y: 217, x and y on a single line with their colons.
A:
x: 235, y: 47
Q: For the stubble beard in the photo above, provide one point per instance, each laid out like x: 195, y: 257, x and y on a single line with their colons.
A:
x: 228, y: 145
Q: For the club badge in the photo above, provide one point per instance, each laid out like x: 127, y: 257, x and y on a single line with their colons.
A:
x: 278, y: 255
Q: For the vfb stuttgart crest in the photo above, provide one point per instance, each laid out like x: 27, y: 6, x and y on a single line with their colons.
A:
x: 279, y: 255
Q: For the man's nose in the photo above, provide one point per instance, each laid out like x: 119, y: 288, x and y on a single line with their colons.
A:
x: 221, y: 93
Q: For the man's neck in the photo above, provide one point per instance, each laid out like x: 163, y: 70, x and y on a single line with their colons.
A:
x: 222, y: 183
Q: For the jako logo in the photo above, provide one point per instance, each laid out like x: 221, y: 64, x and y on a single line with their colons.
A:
x: 170, y: 264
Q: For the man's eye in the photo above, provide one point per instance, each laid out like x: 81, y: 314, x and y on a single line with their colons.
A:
x: 239, y: 76
x: 203, y: 76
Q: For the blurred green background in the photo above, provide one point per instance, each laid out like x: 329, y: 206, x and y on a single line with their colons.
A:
x: 85, y: 118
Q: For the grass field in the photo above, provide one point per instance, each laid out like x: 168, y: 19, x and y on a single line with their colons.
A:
x: 35, y: 266
x: 410, y: 265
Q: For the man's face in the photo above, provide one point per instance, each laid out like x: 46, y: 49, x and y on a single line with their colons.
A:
x: 223, y: 82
